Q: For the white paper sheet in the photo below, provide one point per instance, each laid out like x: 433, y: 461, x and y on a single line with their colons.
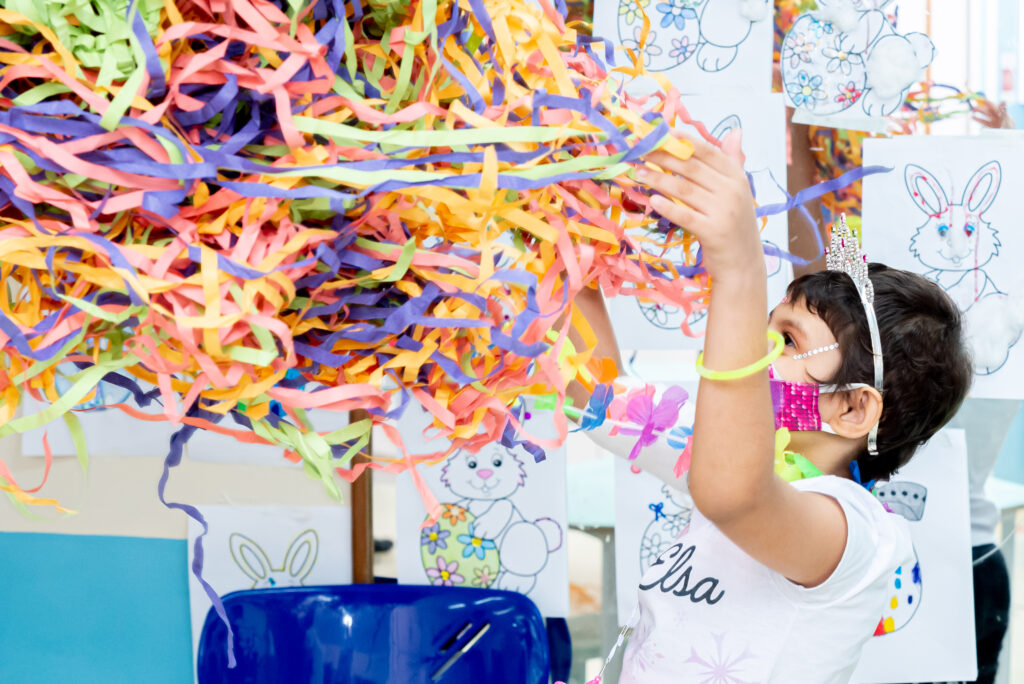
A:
x: 257, y: 547
x: 504, y: 522
x: 713, y: 46
x: 646, y: 325
x: 931, y: 610
x: 848, y: 67
x: 948, y: 212
x: 108, y: 431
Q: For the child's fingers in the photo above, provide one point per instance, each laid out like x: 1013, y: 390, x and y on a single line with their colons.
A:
x: 683, y: 216
x: 732, y: 145
x: 706, y: 152
x: 694, y: 170
x: 697, y: 197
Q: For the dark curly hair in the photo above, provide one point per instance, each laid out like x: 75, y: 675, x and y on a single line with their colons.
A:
x: 928, y: 367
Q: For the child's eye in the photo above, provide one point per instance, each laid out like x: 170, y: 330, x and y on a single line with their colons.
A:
x: 969, y: 230
x: 943, y: 229
x: 787, y: 339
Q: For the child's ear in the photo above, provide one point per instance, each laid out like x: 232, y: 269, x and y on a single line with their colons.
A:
x: 859, y: 410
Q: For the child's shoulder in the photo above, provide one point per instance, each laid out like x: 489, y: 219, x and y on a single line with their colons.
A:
x: 848, y: 493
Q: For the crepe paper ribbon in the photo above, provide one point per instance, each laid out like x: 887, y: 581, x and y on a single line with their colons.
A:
x: 247, y: 193
x: 596, y: 411
x: 791, y: 466
x: 173, y: 459
x: 682, y: 465
x: 922, y: 105
x: 248, y: 211
x: 746, y: 371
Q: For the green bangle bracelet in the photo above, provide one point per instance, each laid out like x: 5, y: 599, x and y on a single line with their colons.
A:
x: 746, y: 371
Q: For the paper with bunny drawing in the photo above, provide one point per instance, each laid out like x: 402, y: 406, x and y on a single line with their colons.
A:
x: 503, y: 522
x: 643, y: 324
x: 259, y: 547
x: 704, y: 46
x: 948, y: 212
x: 847, y: 65
x: 925, y: 632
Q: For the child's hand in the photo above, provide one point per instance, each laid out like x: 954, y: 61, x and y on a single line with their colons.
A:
x: 990, y: 115
x: 719, y: 207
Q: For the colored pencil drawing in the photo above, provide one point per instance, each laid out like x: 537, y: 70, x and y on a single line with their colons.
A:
x: 482, y: 538
x: 767, y: 190
x: 253, y: 561
x: 671, y: 518
x: 847, y: 57
x: 907, y: 499
x: 957, y: 245
x: 711, y: 33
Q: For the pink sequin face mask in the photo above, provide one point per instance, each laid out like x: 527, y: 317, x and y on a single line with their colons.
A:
x: 796, y: 403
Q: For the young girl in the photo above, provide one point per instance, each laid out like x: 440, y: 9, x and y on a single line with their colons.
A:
x: 778, y: 581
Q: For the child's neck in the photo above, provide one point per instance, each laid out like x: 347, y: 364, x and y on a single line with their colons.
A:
x: 831, y: 454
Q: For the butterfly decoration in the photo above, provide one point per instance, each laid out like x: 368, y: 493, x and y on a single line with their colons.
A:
x: 638, y: 407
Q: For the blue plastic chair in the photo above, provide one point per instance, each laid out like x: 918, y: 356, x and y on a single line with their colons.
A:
x: 376, y: 633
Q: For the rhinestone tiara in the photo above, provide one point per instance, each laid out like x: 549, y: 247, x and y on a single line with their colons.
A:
x: 844, y: 255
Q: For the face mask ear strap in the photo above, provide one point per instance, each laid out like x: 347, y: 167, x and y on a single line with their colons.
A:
x: 830, y: 389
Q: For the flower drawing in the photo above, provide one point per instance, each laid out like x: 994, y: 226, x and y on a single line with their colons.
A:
x: 840, y: 58
x: 651, y: 47
x: 805, y: 90
x: 445, y: 573
x: 632, y: 9
x: 452, y: 513
x: 848, y: 94
x: 799, y: 49
x: 475, y: 545
x: 677, y: 12
x: 434, y: 538
x: 682, y: 49
x: 483, y: 577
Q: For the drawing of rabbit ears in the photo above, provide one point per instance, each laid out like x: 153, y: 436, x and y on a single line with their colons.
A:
x: 925, y: 190
x: 980, y: 192
x: 252, y: 560
x: 729, y: 123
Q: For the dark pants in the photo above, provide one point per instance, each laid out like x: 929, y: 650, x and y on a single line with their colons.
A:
x: 991, y: 610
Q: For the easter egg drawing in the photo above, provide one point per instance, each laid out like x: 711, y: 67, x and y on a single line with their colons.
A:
x: 453, y: 555
x: 907, y: 499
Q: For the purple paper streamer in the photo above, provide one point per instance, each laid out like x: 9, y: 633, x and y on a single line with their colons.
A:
x: 173, y: 459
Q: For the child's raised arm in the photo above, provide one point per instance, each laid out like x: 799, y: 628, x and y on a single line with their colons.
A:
x: 801, y: 535
x: 658, y: 459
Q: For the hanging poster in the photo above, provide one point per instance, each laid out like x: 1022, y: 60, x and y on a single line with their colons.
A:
x: 703, y: 46
x: 948, y: 212
x: 926, y: 631
x: 503, y: 522
x: 641, y: 324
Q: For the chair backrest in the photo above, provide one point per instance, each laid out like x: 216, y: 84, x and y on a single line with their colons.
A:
x: 376, y: 633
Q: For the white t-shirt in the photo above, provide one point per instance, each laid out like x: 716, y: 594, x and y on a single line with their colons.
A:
x: 710, y: 612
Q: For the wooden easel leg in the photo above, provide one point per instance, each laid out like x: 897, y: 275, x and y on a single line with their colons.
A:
x: 362, y: 517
